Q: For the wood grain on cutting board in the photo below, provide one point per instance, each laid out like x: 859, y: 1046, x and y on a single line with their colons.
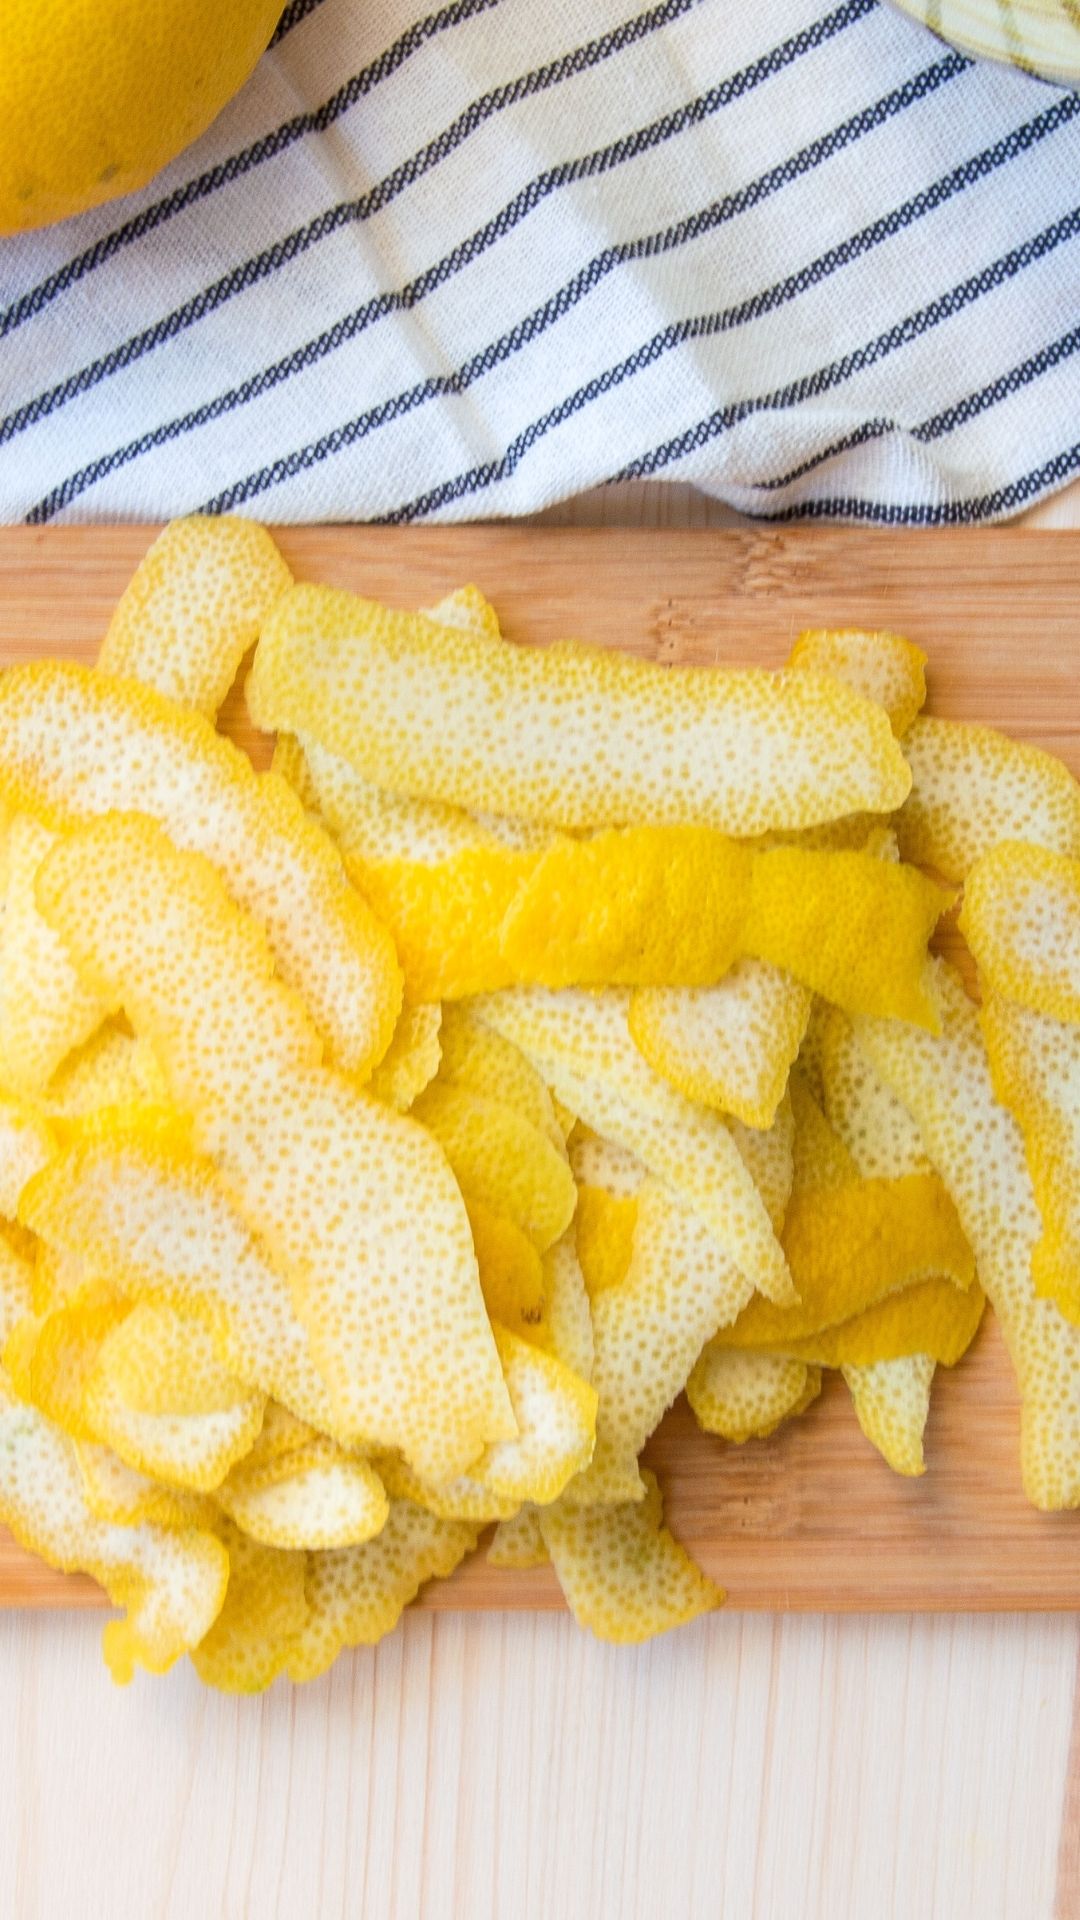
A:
x: 812, y: 1518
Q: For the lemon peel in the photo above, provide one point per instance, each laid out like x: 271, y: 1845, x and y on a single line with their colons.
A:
x: 566, y: 1328
x: 446, y: 916
x: 972, y: 786
x: 768, y: 1154
x: 163, y: 1231
x: 412, y: 1059
x: 518, y: 1541
x: 47, y: 1011
x: 820, y: 916
x: 933, y: 1317
x: 511, y: 1271
x: 730, y: 1046
x: 850, y: 1246
x: 193, y: 608
x: 500, y: 1159
x: 605, y: 1224
x: 976, y: 1145
x: 119, y: 1493
x: 648, y: 1330
x: 463, y: 717
x: 882, y: 666
x: 746, y: 1396
x: 172, y: 1583
x: 111, y: 1073
x: 354, y: 1203
x: 477, y: 1057
x: 623, y: 1574
x: 192, y: 1445
x: 313, y: 1496
x: 264, y: 1613
x: 596, y: 1162
x: 356, y: 1595
x: 1035, y: 1063
x: 75, y: 744
x: 27, y: 1143
x: 581, y: 1044
x: 1021, y: 919
x: 892, y: 1401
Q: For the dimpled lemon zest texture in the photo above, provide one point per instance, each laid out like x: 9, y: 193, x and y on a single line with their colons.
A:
x: 476, y: 1056
x: 172, y: 1583
x: 623, y: 1575
x: 358, y: 1594
x: 572, y: 736
x: 581, y: 1044
x: 972, y: 787
x: 412, y: 1059
x: 892, y: 1401
x: 746, y: 1396
x: 566, y: 1328
x: 511, y: 1270
x: 114, y: 1491
x: 933, y: 1317
x: 162, y: 1229
x: 355, y: 1202
x: 605, y: 1224
x: 730, y: 1046
x: 162, y: 1361
x: 882, y: 666
x: 650, y: 1328
x: 977, y: 1146
x: 193, y: 607
x: 312, y: 1497
x: 76, y: 743
x: 264, y: 1614
x: 1021, y: 919
x: 850, y: 1246
x: 501, y: 1159
x: 27, y: 1143
x: 46, y: 1010
x: 1035, y: 1063
x: 518, y: 1541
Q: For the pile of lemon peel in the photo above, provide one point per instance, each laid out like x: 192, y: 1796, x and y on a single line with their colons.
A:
x: 388, y: 1140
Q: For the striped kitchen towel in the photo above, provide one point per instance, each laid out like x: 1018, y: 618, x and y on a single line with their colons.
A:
x: 471, y: 261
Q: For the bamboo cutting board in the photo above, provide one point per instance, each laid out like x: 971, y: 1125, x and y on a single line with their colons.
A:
x: 811, y: 1519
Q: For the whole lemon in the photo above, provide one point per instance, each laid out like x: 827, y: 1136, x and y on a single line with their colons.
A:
x: 96, y: 95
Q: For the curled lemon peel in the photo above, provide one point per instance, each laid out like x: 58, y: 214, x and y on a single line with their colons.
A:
x: 730, y: 1046
x: 412, y: 1059
x: 746, y: 1396
x: 511, y: 1270
x: 605, y: 1224
x: 882, y: 666
x: 75, y: 744
x: 193, y: 608
x: 27, y: 1143
x: 500, y: 1159
x: 466, y: 718
x: 581, y: 1044
x: 264, y: 1615
x: 1035, y: 1062
x: 892, y: 1401
x: 388, y: 1290
x: 46, y: 1009
x: 972, y: 787
x: 518, y: 1541
x: 623, y: 1575
x: 312, y: 1497
x: 1021, y: 919
x: 975, y: 1143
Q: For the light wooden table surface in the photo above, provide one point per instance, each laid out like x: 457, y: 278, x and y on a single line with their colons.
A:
x: 764, y: 1768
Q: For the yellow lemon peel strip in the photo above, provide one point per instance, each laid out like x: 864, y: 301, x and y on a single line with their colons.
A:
x: 581, y: 1044
x: 411, y: 1061
x: 477, y: 1057
x: 501, y: 1159
x: 511, y: 1270
x: 265, y: 1612
x: 623, y: 1575
x: 27, y: 1143
x: 972, y: 786
x: 892, y: 1401
x: 1021, y: 919
x: 605, y: 1224
x: 649, y: 1330
x: 462, y: 717
x: 977, y: 1147
x: 518, y: 1541
x: 163, y: 1231
x: 192, y: 1449
x: 850, y: 1246
x: 935, y: 1317
x: 119, y: 1493
x: 882, y: 666
x: 172, y: 1583
x: 354, y: 1202
x: 47, y: 1011
x: 746, y: 1396
x: 1035, y: 1063
x: 314, y: 1496
x: 355, y: 1595
x: 730, y: 1046
x: 193, y: 607
x: 75, y: 744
